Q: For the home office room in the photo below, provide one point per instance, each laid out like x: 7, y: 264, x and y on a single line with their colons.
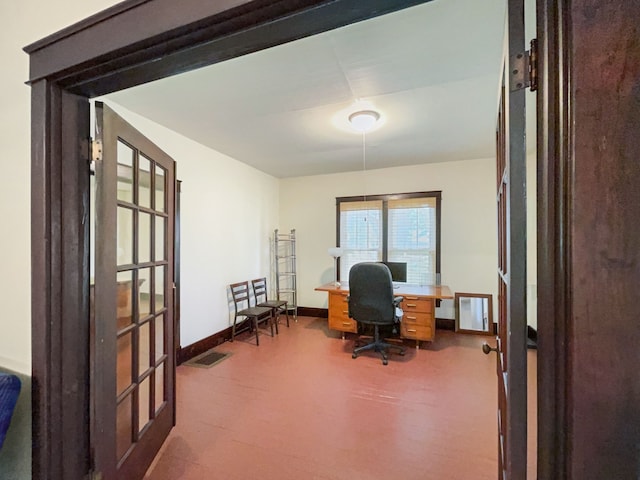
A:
x: 299, y: 405
x: 256, y: 153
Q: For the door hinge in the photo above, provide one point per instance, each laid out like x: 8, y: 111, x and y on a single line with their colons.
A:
x: 524, y: 69
x: 96, y: 155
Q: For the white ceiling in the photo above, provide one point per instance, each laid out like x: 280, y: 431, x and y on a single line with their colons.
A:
x: 432, y: 71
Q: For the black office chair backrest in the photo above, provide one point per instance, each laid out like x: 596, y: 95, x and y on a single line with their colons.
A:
x: 371, y: 294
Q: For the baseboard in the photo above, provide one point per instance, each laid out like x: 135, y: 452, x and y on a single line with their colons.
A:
x: 201, y: 346
x: 445, y: 324
x: 313, y: 312
x: 532, y: 337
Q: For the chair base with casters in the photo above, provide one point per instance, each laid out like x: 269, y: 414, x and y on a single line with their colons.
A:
x: 379, y: 346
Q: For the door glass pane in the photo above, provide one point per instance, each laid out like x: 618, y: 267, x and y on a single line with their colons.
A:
x: 125, y: 172
x: 144, y: 299
x: 123, y: 426
x: 143, y: 403
x: 159, y: 293
x: 160, y: 189
x: 125, y: 236
x: 144, y: 347
x: 159, y: 397
x: 125, y: 296
x: 159, y: 336
x: 144, y: 182
x: 124, y: 362
x: 160, y: 229
x: 144, y: 237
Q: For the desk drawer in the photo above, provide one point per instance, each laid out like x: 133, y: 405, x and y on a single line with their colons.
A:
x: 343, y: 324
x: 339, y: 314
x: 417, y: 304
x: 418, y: 318
x: 416, y: 332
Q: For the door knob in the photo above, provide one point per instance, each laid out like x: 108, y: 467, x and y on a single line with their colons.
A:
x: 487, y: 349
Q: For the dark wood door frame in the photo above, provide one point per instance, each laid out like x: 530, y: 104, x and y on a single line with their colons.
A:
x: 144, y: 40
x: 553, y: 230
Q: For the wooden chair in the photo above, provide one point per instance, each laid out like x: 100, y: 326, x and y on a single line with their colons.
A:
x: 255, y: 315
x: 262, y: 300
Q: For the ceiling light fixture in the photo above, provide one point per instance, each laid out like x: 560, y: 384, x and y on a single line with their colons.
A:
x: 364, y: 120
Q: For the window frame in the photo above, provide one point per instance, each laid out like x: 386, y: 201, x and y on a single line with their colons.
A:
x: 385, y: 198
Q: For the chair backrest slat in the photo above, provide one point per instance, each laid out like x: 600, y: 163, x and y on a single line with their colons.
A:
x: 260, y: 289
x: 240, y: 294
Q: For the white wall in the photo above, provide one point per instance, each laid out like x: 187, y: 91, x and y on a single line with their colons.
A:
x: 469, y: 241
x: 24, y: 22
x: 228, y: 213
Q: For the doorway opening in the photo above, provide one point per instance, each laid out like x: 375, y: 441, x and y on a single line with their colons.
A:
x: 90, y: 89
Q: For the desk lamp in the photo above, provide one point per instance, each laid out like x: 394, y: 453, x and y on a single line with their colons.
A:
x: 335, y: 252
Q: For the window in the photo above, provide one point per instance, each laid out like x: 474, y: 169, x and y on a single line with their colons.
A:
x: 393, y: 228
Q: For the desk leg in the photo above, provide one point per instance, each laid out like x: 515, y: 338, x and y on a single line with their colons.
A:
x: 343, y: 336
x: 417, y: 344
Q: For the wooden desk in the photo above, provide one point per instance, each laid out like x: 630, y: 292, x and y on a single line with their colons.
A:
x: 418, y: 305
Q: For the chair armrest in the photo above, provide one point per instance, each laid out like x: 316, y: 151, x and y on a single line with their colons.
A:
x: 397, y: 300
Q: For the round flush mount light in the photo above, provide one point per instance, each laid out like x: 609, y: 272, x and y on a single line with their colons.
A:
x: 364, y: 120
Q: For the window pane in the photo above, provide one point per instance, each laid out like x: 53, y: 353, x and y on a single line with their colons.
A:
x: 159, y: 333
x: 160, y: 189
x: 144, y: 348
x: 124, y: 363
x: 125, y: 236
x: 412, y: 238
x: 143, y: 403
x: 124, y: 307
x: 125, y: 172
x: 144, y: 298
x: 411, y: 233
x: 123, y: 427
x: 144, y: 182
x: 159, y: 288
x: 159, y: 392
x: 144, y: 237
x: 160, y: 233
x: 360, y: 234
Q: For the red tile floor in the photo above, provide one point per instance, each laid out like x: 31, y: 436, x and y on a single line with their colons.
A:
x: 299, y: 407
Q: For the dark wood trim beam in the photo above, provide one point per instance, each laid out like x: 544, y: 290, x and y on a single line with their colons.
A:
x: 181, y: 39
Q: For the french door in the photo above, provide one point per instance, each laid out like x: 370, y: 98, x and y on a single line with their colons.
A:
x: 133, y: 361
x: 511, y: 338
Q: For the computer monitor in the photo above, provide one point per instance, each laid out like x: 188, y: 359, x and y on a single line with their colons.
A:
x: 398, y: 271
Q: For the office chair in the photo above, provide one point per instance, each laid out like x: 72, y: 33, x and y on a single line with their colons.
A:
x: 262, y: 300
x: 371, y: 301
x: 255, y: 315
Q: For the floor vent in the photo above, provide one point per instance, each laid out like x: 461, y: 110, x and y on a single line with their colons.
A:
x: 207, y: 359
